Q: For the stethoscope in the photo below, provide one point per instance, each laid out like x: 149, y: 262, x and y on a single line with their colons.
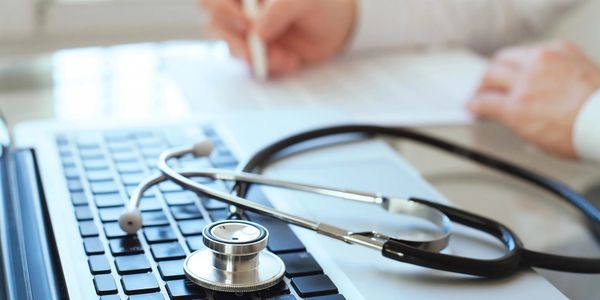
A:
x: 234, y: 260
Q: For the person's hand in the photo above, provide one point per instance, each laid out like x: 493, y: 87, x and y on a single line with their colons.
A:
x: 296, y: 32
x: 537, y: 91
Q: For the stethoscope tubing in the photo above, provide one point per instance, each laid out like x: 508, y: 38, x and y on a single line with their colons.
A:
x: 517, y: 256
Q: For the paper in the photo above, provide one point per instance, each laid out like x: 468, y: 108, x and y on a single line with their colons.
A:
x: 399, y: 88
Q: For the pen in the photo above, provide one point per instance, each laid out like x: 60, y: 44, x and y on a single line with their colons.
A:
x: 258, y: 53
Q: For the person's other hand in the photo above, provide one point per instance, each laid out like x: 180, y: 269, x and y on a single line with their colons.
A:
x: 537, y: 91
x: 296, y: 32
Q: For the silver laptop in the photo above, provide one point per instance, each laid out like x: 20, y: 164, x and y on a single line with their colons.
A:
x: 64, y: 187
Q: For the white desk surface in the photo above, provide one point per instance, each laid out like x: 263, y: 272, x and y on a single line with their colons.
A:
x: 110, y: 84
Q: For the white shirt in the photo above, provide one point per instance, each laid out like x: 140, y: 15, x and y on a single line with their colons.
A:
x: 481, y: 25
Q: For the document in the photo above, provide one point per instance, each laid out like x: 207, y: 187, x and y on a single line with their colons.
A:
x: 400, y: 88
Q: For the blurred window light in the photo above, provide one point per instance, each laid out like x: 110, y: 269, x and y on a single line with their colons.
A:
x: 120, y: 82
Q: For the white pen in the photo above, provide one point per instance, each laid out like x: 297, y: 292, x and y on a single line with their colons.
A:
x: 258, y: 53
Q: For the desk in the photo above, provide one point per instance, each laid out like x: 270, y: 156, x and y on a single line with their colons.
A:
x: 28, y: 91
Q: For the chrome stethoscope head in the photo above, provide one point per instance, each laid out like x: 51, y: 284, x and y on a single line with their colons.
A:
x: 234, y: 260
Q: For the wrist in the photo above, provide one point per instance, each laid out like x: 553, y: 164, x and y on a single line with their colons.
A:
x: 351, y: 8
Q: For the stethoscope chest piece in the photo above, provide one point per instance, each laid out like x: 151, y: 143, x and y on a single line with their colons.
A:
x: 234, y: 260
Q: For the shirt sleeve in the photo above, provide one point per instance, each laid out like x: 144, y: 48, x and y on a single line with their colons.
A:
x: 586, y: 131
x: 482, y: 25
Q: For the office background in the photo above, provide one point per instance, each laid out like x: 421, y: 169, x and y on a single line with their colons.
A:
x: 43, y: 25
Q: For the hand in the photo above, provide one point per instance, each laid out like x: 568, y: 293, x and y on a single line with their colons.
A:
x: 296, y: 32
x: 537, y: 91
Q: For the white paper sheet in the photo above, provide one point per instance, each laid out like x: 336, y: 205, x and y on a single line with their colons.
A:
x: 407, y: 88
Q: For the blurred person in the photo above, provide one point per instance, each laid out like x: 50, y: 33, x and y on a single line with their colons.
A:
x: 300, y: 32
x: 546, y: 93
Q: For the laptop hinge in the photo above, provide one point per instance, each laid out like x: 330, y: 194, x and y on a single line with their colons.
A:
x: 28, y: 251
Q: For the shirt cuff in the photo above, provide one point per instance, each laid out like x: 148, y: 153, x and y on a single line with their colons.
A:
x: 586, y: 131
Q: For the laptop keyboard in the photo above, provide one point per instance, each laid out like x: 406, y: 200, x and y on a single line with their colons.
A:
x: 103, y: 168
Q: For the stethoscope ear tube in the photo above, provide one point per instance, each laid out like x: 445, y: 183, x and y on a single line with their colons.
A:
x: 503, y: 266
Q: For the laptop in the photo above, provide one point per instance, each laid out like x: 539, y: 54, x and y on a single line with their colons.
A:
x: 64, y: 186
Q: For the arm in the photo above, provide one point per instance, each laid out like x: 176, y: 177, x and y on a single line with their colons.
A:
x: 549, y: 94
x: 482, y: 25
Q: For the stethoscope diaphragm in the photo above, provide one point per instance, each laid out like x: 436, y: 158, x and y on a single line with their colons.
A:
x: 234, y: 260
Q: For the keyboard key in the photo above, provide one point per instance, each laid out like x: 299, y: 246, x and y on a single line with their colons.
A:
x: 105, y: 284
x: 120, y: 146
x: 166, y: 251
x: 88, y: 228
x: 68, y: 162
x: 88, y: 141
x: 83, y: 213
x: 281, y: 238
x: 124, y: 156
x: 221, y: 161
x: 98, y: 264
x: 171, y: 269
x: 195, y: 243
x: 139, y: 283
x: 95, y: 164
x: 113, y: 230
x: 150, y: 204
x: 110, y: 214
x: 79, y: 198
x: 71, y: 173
x: 108, y: 200
x: 192, y: 227
x: 300, y: 264
x: 74, y: 185
x: 218, y: 215
x: 279, y: 289
x: 314, y: 285
x: 179, y: 198
x: 159, y: 234
x: 126, y: 246
x: 213, y: 204
x: 169, y: 187
x: 129, y: 167
x: 184, y: 212
x: 91, y: 153
x: 152, y: 152
x: 328, y: 297
x: 132, y: 264
x: 154, y: 218
x: 184, y: 289
x: 153, y: 296
x: 100, y: 175
x: 93, y: 245
x: 104, y: 187
x: 132, y: 178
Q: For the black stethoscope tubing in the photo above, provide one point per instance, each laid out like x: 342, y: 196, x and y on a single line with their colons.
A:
x: 516, y: 256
